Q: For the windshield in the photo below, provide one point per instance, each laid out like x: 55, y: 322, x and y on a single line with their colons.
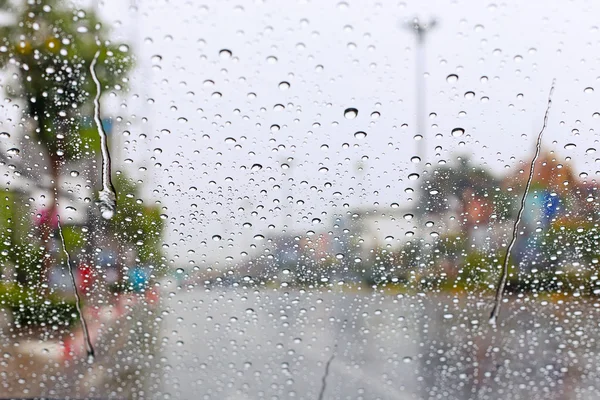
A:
x: 303, y: 199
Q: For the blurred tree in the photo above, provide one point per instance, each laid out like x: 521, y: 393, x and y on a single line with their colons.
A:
x: 49, y: 48
x: 476, y: 191
x: 136, y: 224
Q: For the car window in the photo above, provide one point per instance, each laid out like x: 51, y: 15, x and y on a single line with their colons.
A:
x: 303, y: 199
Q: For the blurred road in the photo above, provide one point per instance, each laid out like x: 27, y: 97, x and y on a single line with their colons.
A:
x: 275, y: 344
x: 267, y: 344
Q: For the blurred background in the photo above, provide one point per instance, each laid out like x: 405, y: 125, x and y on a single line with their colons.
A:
x: 313, y: 199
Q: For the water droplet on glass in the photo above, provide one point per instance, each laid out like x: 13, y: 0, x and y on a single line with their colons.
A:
x: 413, y: 177
x: 408, y: 217
x: 375, y: 115
x: 272, y: 60
x: 216, y: 238
x: 588, y: 90
x: 452, y: 78
x: 258, y: 237
x: 74, y: 173
x: 284, y: 85
x: 350, y: 113
x: 225, y: 53
x: 256, y: 167
x: 4, y: 135
x: 360, y: 135
x: 275, y: 128
x: 415, y: 159
x: 457, y: 132
x: 570, y: 146
x: 13, y: 151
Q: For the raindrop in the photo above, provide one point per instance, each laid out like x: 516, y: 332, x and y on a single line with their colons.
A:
x: 107, y: 197
x: 375, y: 115
x: 415, y: 159
x: 275, y: 128
x: 452, y: 78
x: 216, y: 238
x: 394, y: 205
x: 256, y: 167
x: 4, y: 135
x: 590, y: 150
x: 258, y: 237
x: 570, y: 146
x: 360, y: 135
x: 413, y: 177
x: 458, y: 132
x: 469, y: 95
x: 13, y: 151
x: 74, y: 173
x: 323, y: 170
x: 225, y: 53
x: 588, y: 90
x: 408, y: 217
x: 272, y: 60
x: 284, y: 85
x: 350, y: 113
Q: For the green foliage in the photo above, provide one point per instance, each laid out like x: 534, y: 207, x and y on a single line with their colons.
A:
x: 136, y: 223
x: 51, y: 47
x: 74, y: 237
x: 30, y: 308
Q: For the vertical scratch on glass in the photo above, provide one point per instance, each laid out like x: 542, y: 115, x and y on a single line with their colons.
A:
x: 504, y: 275
x: 326, y: 374
x: 86, y: 334
x: 107, y: 197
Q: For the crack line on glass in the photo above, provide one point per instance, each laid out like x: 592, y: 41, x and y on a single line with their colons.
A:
x: 86, y: 334
x: 326, y: 373
x: 504, y: 274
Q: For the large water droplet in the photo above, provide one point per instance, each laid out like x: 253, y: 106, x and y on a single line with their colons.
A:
x: 360, y: 135
x: 452, y: 78
x: 225, y: 53
x: 350, y: 113
x: 457, y: 132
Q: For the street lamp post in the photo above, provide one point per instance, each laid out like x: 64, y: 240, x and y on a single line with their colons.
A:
x: 420, y: 30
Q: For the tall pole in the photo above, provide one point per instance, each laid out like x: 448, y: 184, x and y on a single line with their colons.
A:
x: 420, y: 30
